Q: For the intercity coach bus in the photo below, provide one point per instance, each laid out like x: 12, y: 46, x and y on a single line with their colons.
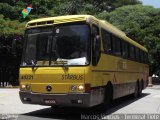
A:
x: 80, y: 61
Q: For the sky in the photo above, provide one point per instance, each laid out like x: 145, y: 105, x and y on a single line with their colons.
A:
x: 155, y: 3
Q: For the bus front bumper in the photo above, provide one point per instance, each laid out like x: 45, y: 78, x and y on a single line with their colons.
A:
x: 71, y: 99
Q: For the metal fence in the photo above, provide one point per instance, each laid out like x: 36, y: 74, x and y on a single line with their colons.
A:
x: 8, y: 76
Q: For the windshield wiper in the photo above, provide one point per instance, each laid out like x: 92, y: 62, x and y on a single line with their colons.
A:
x: 61, y: 62
x: 64, y: 64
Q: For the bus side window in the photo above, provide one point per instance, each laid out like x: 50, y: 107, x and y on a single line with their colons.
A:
x: 124, y: 49
x: 95, y: 30
x: 106, y: 37
x: 116, y: 44
x: 137, y: 54
x: 131, y: 52
x: 96, y: 45
x: 141, y: 56
x: 146, y: 58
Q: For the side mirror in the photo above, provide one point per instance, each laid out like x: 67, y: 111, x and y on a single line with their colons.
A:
x: 96, y: 50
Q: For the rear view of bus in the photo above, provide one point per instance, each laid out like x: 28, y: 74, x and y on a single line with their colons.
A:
x: 55, y: 62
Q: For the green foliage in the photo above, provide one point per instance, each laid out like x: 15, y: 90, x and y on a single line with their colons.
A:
x: 92, y: 7
x: 8, y: 11
x: 12, y: 8
x: 10, y: 28
x: 10, y: 2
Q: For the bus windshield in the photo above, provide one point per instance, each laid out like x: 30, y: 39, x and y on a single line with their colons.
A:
x: 58, y: 45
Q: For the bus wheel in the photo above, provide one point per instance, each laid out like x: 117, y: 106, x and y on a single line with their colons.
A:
x: 140, y: 89
x: 107, y: 97
x: 136, y: 91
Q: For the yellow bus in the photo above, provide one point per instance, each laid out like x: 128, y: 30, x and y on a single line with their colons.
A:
x: 80, y: 61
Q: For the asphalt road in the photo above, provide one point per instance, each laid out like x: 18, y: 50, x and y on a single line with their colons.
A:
x: 11, y: 107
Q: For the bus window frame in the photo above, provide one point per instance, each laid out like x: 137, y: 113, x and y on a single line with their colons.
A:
x: 107, y: 47
x: 95, y: 59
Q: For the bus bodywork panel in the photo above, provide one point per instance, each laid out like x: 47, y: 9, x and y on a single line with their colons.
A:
x: 60, y: 79
x: 122, y: 73
x: 61, y: 82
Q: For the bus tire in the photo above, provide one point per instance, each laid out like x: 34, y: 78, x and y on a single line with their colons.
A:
x: 136, y: 91
x: 142, y: 84
x: 108, y: 96
x: 140, y: 88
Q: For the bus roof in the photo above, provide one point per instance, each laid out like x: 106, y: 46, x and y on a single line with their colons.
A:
x: 88, y: 18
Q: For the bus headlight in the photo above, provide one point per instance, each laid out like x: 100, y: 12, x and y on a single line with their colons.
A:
x: 81, y: 87
x: 25, y: 87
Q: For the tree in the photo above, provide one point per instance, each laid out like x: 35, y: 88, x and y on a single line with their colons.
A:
x: 8, y: 11
x: 92, y: 7
x: 43, y: 8
x: 10, y: 28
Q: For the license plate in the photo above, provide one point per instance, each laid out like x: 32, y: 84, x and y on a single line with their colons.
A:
x: 50, y: 101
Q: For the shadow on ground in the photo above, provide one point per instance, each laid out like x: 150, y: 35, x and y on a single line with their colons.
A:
x: 78, y: 113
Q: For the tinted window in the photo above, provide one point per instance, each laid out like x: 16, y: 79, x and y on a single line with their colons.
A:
x: 124, y: 49
x: 116, y: 44
x: 37, y: 48
x: 131, y: 52
x: 71, y: 41
x: 141, y: 56
x: 146, y: 58
x: 69, y: 45
x: 137, y: 54
x: 106, y: 37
